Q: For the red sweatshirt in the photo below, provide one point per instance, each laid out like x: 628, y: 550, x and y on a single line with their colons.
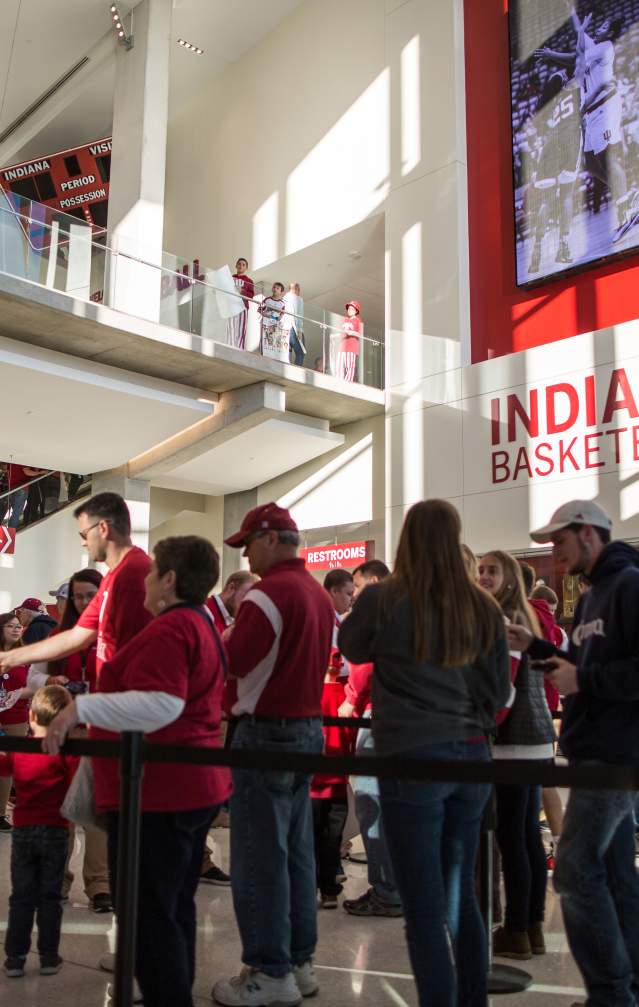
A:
x: 337, y: 741
x: 551, y: 632
x: 358, y: 687
x: 41, y: 783
x: 280, y: 645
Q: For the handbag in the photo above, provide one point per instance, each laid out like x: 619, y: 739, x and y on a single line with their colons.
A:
x: 79, y: 804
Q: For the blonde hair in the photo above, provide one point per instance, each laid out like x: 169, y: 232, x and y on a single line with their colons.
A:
x: 470, y: 561
x: 455, y: 621
x: 511, y: 596
x: 47, y: 703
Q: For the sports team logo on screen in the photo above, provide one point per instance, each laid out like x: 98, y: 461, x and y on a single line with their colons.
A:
x: 574, y: 74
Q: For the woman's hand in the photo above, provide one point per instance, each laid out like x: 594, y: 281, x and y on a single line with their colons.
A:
x: 58, y: 729
x: 346, y: 709
x: 519, y: 637
x: 57, y: 680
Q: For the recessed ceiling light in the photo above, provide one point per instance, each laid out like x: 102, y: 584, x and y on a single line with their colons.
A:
x: 189, y: 45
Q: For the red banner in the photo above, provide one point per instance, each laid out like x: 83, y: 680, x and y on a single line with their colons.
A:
x: 329, y: 557
x: 7, y: 540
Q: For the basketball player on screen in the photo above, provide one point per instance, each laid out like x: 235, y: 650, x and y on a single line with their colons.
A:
x: 558, y: 164
x: 601, y: 111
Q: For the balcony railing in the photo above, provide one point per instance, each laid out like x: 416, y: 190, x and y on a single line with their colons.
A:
x: 62, y: 253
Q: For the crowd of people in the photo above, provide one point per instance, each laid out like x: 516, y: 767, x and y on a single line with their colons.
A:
x: 453, y: 660
x: 28, y: 494
x: 282, y: 328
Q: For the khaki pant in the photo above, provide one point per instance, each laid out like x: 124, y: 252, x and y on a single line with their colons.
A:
x: 13, y: 731
x: 95, y: 873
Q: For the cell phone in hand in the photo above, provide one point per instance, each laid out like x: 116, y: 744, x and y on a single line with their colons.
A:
x: 548, y: 665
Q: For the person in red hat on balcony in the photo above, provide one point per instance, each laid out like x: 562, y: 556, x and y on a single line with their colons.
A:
x: 348, y: 349
x: 278, y: 650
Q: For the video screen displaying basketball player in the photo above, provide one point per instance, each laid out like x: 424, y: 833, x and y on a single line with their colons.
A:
x: 574, y: 70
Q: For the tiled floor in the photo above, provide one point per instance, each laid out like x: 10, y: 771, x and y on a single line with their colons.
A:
x: 360, y: 962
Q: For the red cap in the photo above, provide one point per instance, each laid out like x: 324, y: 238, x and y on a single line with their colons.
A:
x: 32, y: 604
x: 268, y: 517
x: 354, y: 304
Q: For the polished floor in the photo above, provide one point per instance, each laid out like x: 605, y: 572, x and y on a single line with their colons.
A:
x: 360, y: 962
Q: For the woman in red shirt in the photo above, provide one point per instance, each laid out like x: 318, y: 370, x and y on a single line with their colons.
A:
x: 167, y: 681
x: 14, y: 720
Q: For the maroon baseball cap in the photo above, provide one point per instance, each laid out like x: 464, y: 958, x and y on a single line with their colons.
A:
x: 32, y: 604
x: 268, y: 517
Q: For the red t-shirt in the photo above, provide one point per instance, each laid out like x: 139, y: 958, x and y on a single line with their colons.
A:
x: 41, y: 783
x: 117, y: 612
x: 337, y: 741
x: 176, y: 654
x: 17, y: 476
x: 15, y: 678
x: 245, y: 286
x: 81, y: 666
x: 352, y: 330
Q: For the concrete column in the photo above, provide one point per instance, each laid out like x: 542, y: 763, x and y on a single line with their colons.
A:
x: 235, y: 507
x: 136, y: 197
x: 427, y: 296
x: 136, y: 492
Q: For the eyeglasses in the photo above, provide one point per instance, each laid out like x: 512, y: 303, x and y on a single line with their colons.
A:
x: 85, y: 534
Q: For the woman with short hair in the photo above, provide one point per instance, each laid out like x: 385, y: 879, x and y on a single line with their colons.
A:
x: 167, y: 681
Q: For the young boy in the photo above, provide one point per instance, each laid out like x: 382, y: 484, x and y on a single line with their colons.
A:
x: 39, y: 841
x: 328, y: 791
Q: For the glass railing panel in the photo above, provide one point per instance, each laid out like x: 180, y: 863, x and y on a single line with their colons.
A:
x: 37, y: 496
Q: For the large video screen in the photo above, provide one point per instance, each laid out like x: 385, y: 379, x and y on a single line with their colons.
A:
x: 574, y: 72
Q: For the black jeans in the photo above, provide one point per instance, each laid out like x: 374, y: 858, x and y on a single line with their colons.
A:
x: 329, y: 819
x: 38, y: 856
x: 522, y: 853
x: 171, y: 849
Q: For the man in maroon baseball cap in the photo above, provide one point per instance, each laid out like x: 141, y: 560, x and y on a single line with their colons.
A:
x: 278, y: 652
x: 36, y: 620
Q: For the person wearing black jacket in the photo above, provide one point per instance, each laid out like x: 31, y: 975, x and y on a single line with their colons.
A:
x: 595, y: 874
x: 37, y: 623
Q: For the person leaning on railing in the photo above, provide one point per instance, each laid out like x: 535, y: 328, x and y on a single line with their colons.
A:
x: 441, y: 664
x: 167, y: 682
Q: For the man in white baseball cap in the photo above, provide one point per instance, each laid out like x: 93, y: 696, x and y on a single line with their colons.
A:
x: 595, y: 873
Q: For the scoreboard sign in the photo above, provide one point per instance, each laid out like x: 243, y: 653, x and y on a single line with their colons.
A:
x: 330, y: 557
x: 73, y: 181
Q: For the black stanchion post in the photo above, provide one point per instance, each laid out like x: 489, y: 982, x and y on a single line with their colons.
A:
x: 501, y: 978
x: 126, y: 896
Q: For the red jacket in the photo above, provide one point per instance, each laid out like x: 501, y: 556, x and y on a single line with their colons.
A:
x: 358, y: 687
x: 551, y: 632
x: 337, y: 741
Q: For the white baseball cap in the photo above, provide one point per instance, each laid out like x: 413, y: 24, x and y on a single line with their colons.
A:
x: 574, y: 512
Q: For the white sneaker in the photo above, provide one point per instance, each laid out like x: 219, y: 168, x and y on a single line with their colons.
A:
x: 306, y: 979
x: 253, y: 988
x: 137, y: 994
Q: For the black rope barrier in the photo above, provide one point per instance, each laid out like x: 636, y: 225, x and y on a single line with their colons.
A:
x: 499, y: 771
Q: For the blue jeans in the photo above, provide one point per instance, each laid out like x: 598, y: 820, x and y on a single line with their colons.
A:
x: 369, y: 816
x: 38, y: 856
x: 17, y: 500
x: 599, y: 888
x: 272, y: 856
x: 433, y: 834
x: 296, y: 346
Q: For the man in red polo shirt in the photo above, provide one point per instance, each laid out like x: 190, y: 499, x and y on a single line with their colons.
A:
x: 224, y: 606
x: 278, y: 650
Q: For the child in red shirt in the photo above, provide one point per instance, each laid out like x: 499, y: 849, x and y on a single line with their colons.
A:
x: 39, y: 841
x: 328, y: 791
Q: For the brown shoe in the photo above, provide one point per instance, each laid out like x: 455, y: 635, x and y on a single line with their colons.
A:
x: 536, y: 938
x: 511, y: 944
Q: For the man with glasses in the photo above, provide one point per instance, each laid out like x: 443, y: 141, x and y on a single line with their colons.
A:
x: 278, y: 652
x: 117, y: 612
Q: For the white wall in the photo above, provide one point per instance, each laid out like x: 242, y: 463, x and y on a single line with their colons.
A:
x: 288, y: 145
x: 45, y: 555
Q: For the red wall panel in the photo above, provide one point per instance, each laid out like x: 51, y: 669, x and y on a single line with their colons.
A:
x: 504, y: 318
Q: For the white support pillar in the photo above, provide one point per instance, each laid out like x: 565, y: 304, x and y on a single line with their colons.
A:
x: 137, y: 494
x: 427, y: 295
x: 136, y: 196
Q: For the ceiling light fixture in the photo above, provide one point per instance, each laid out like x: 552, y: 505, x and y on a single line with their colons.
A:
x: 189, y: 45
x: 118, y: 26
